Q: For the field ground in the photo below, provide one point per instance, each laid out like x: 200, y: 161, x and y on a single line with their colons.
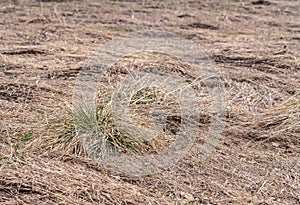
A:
x: 255, y: 44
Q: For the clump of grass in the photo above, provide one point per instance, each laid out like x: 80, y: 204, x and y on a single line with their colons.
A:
x: 97, y: 134
x: 140, y: 106
x: 107, y: 135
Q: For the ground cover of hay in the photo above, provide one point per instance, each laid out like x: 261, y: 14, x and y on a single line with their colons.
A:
x: 256, y: 46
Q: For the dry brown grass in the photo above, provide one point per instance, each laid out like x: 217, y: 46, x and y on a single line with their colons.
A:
x: 256, y: 47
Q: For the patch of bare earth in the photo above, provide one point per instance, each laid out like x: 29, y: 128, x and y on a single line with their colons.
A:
x: 255, y: 44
